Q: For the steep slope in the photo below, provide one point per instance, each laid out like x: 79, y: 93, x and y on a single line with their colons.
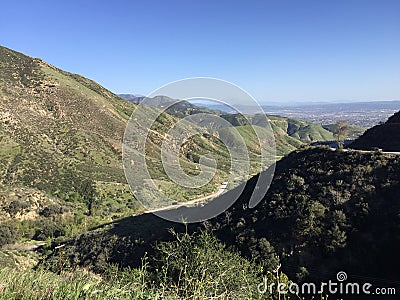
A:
x: 385, y: 136
x: 60, y: 134
x: 61, y: 144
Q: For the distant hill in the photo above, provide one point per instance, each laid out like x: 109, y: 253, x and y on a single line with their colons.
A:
x: 384, y: 136
x: 131, y: 97
x: 306, y: 132
x: 303, y: 131
x: 353, y: 131
x: 180, y: 109
x: 290, y: 134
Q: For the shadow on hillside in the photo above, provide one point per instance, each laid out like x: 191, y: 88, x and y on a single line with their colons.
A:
x: 126, y: 241
x: 156, y: 226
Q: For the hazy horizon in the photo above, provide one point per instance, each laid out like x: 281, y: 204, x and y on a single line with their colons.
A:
x: 291, y: 103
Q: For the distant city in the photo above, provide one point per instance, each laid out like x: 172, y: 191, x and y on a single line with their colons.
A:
x: 363, y: 114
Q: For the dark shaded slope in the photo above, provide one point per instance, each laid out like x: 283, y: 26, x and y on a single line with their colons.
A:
x: 385, y: 136
x: 394, y: 119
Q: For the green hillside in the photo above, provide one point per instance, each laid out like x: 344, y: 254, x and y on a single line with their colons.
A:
x: 60, y: 150
x: 290, y: 134
x: 352, y: 133
x: 301, y: 130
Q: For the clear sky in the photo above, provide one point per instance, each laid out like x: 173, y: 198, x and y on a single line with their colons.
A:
x: 277, y: 50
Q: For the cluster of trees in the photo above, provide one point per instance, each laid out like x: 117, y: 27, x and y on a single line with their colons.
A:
x: 323, y: 210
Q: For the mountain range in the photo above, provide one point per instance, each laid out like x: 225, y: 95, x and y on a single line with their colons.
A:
x: 61, y: 141
x: 62, y: 181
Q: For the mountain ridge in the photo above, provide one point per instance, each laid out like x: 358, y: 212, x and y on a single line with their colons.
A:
x: 385, y: 136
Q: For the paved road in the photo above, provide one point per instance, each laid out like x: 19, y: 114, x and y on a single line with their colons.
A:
x: 221, y: 189
x: 24, y: 247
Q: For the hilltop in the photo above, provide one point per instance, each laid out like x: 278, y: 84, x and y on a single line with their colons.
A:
x: 177, y: 108
x: 385, y: 136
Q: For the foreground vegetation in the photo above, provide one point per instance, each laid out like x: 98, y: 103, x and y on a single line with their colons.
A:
x: 79, y: 284
x: 196, y: 266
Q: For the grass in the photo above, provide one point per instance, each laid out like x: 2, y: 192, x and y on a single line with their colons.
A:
x: 189, y: 267
x: 16, y: 259
x: 81, y: 284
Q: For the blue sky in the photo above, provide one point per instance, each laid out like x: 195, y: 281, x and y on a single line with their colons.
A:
x: 276, y: 50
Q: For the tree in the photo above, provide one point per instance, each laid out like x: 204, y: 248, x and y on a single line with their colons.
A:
x: 264, y: 253
x: 341, y: 130
x: 89, y: 193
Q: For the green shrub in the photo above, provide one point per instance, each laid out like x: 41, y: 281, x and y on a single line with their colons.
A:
x: 198, y: 266
x: 8, y: 234
x: 49, y: 229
